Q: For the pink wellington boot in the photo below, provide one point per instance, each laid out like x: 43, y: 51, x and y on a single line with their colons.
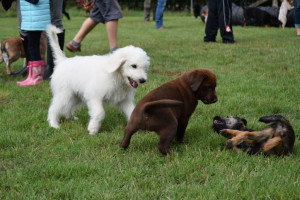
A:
x: 37, y: 72
x: 25, y: 82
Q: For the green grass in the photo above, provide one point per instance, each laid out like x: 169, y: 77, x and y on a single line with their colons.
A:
x: 258, y: 76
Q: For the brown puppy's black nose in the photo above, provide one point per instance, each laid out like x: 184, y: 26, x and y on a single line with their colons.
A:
x: 142, y: 80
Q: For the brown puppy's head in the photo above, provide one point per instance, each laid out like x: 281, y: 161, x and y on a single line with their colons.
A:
x: 203, y: 83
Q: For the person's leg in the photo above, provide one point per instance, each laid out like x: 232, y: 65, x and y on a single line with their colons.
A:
x: 56, y: 7
x: 35, y: 63
x: 112, y: 30
x: 147, y: 8
x: 225, y: 21
x: 212, y: 25
x: 56, y: 20
x: 297, y: 16
x: 111, y: 13
x: 159, y: 13
x: 88, y: 25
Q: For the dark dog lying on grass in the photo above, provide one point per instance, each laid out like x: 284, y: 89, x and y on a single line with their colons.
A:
x: 167, y: 109
x: 257, y: 17
x: 277, y: 138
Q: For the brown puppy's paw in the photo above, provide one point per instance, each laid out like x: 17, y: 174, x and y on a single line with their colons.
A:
x: 164, y: 150
x: 124, y: 144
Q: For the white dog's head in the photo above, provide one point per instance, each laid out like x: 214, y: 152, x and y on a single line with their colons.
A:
x: 132, y: 63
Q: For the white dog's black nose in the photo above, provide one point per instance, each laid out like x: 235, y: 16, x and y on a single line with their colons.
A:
x: 142, y: 80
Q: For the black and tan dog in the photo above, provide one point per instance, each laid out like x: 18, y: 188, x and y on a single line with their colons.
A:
x: 277, y: 138
x: 256, y: 17
x: 168, y: 108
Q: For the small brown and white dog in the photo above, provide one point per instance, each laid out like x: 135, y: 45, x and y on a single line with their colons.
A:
x: 205, y: 15
x: 11, y: 49
x: 284, y: 8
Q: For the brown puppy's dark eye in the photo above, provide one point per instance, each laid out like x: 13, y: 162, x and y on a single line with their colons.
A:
x: 133, y: 66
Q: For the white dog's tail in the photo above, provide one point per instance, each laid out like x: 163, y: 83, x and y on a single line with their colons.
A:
x: 52, y: 32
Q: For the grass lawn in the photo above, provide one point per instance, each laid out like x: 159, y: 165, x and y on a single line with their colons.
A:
x: 258, y: 76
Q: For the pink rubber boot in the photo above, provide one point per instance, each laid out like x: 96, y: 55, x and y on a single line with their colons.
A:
x: 37, y: 73
x: 25, y: 82
x: 36, y: 69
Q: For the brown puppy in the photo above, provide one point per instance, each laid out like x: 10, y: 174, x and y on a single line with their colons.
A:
x: 167, y: 109
x: 12, y: 49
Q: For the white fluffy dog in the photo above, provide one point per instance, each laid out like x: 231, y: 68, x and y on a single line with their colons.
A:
x: 94, y: 80
x: 284, y: 8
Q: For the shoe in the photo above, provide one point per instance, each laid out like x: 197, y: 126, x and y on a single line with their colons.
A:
x: 229, y: 42
x: 162, y: 27
x: 209, y: 39
x: 205, y: 40
x: 25, y: 82
x: 72, y: 48
x: 36, y: 73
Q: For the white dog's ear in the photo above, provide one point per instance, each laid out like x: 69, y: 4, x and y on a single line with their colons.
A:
x: 115, y: 65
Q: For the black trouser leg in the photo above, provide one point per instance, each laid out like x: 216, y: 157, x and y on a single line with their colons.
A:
x: 211, y: 27
x: 225, y: 19
x: 34, y: 45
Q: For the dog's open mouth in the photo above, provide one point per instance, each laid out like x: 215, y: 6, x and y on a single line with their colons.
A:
x: 133, y: 83
x: 218, y: 122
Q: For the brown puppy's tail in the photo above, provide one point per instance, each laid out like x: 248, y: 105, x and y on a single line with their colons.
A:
x: 164, y: 103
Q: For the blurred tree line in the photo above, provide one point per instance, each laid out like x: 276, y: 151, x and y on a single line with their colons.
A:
x: 185, y: 5
x: 181, y: 5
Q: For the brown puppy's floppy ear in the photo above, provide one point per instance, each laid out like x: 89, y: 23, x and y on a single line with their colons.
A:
x: 195, y: 78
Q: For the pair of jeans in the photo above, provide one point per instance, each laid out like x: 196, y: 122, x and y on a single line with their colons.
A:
x: 161, y: 4
x: 297, y: 13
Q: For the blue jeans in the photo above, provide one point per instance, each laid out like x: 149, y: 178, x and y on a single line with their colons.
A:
x: 161, y: 4
x: 297, y: 13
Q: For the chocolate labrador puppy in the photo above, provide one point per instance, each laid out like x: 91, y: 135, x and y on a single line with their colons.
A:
x: 167, y: 109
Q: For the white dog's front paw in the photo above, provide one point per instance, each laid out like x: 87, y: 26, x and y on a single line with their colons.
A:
x: 54, y: 125
x: 93, y: 130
